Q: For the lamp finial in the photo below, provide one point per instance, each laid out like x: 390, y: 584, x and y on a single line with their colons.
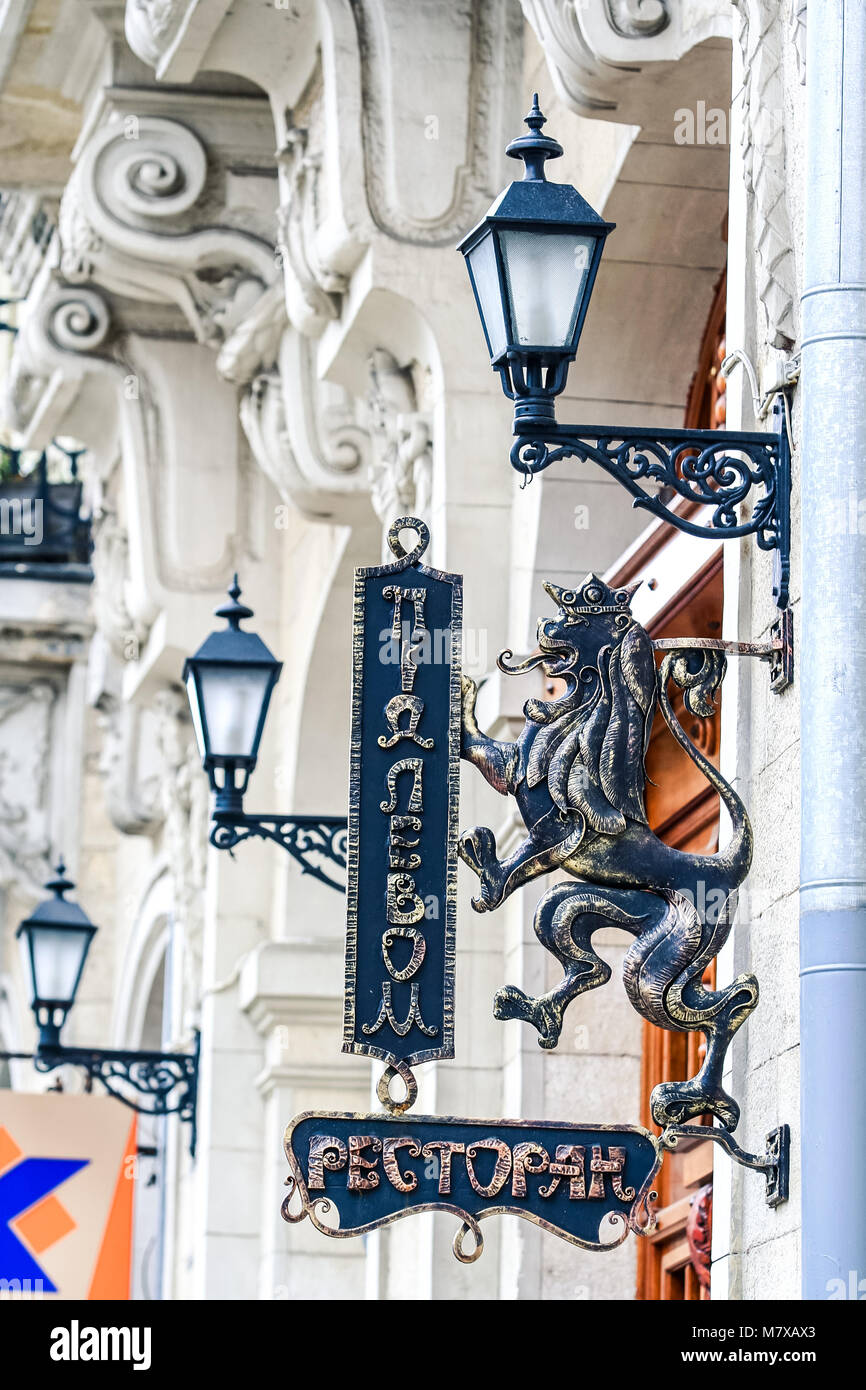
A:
x: 60, y: 884
x: 534, y: 148
x: 234, y: 612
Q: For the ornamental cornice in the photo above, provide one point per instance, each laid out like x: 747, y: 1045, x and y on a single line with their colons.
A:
x: 604, y: 55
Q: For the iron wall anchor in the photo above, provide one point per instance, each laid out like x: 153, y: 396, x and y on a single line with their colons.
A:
x: 779, y: 651
x: 774, y: 1162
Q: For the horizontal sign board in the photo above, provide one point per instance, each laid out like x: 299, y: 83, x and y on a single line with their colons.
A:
x: 588, y: 1184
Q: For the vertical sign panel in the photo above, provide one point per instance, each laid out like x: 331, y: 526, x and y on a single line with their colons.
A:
x: 404, y: 787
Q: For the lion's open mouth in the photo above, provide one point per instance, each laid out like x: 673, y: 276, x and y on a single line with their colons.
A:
x: 556, y: 656
x: 552, y: 656
x: 558, y: 661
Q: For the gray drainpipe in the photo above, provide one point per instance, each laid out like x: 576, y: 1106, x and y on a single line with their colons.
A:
x: 832, y: 662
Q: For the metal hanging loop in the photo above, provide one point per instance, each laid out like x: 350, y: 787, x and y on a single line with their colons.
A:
x: 408, y: 523
x: 383, y: 1090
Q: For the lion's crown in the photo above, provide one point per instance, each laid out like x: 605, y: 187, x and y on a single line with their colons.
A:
x: 593, y: 596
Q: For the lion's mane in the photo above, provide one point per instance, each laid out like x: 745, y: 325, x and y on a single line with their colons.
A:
x: 592, y: 756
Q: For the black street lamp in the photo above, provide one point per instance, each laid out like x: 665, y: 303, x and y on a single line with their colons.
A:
x: 532, y: 262
x: 55, y: 941
x: 229, y: 682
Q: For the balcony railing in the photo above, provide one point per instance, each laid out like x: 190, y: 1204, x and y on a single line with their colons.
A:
x: 41, y: 525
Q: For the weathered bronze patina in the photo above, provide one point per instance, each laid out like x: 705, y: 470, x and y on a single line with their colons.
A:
x: 577, y: 774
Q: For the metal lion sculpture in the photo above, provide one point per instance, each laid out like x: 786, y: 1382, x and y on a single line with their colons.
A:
x: 577, y: 774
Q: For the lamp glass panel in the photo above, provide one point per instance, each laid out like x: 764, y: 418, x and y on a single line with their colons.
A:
x: 485, y: 275
x: 192, y: 692
x: 232, y: 697
x: 547, y: 275
x: 57, y: 957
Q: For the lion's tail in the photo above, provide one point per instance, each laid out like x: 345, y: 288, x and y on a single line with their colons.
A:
x: 700, y: 687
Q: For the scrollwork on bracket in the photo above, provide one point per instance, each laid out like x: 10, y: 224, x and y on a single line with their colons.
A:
x: 317, y: 843
x: 704, y: 467
x: 138, y: 217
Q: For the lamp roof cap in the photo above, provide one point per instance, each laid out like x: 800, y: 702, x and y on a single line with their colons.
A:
x: 56, y: 911
x: 233, y: 645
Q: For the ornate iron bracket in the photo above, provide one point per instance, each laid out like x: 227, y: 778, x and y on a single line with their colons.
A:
x: 322, y: 837
x: 774, y: 1162
x: 779, y: 651
x: 709, y: 468
x: 151, y: 1083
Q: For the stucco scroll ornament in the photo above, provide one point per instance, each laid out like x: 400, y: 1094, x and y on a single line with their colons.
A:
x: 635, y: 18
x: 137, y: 217
x: 312, y: 288
x: 577, y: 774
x: 65, y: 328
x: 306, y: 437
x: 401, y: 465
x: 151, y: 27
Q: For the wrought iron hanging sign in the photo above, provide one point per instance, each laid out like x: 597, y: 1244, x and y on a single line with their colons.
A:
x: 576, y: 772
x: 405, y: 776
x: 588, y: 1184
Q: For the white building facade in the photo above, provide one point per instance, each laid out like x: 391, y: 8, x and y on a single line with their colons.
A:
x: 230, y: 232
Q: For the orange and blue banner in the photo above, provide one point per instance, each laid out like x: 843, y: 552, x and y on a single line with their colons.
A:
x: 67, y: 1167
